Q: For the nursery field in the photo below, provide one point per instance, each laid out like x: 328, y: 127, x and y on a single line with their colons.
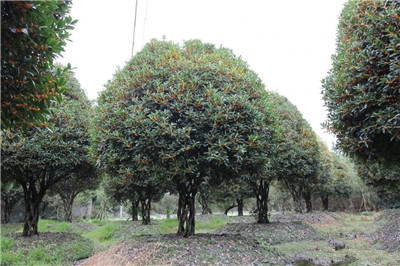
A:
x: 368, y: 238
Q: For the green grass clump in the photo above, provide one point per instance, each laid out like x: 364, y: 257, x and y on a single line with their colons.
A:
x: 53, y: 226
x: 168, y: 226
x: 12, y: 258
x: 6, y: 244
x: 103, y: 233
x: 41, y: 256
x: 206, y: 227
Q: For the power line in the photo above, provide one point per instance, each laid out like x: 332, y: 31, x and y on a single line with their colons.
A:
x: 134, y: 28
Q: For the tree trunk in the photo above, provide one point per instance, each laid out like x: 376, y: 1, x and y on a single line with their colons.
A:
x: 68, y: 202
x: 32, y: 210
x: 262, y: 192
x: 325, y: 202
x: 307, y: 199
x: 146, y: 207
x: 203, y: 200
x: 229, y: 208
x: 134, y: 210
x: 186, y: 209
x: 240, y: 206
x: 297, y: 205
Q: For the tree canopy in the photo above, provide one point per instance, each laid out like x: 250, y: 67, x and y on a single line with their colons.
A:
x: 296, y: 160
x: 33, y: 34
x: 362, y: 90
x: 39, y: 158
x: 180, y: 114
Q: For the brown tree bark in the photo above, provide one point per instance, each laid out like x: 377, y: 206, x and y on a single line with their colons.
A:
x: 240, y: 206
x: 325, y: 202
x: 134, y: 209
x: 307, y: 199
x: 32, y: 208
x: 146, y: 208
x: 262, y: 192
x: 186, y: 209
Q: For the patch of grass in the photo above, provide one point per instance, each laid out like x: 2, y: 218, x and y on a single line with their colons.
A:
x: 12, y: 258
x: 103, y: 233
x: 41, y: 256
x: 351, y: 224
x: 168, y: 226
x: 206, y: 227
x: 98, y: 222
x: 6, y: 244
x: 53, y: 226
x: 10, y: 228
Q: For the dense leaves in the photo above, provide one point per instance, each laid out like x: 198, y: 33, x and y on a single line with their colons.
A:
x: 296, y: 161
x: 182, y: 114
x: 33, y: 34
x: 362, y: 90
x: 39, y: 158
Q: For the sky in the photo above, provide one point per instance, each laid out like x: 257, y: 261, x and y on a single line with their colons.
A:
x: 288, y: 43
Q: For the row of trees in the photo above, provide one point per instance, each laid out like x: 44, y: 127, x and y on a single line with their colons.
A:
x: 362, y: 93
x: 194, y: 119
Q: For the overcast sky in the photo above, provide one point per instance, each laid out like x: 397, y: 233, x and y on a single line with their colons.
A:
x: 288, y: 43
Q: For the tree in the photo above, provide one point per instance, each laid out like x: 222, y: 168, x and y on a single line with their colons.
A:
x: 361, y: 91
x: 39, y: 158
x: 181, y: 114
x: 334, y: 180
x: 33, y: 34
x: 296, y: 160
x: 84, y: 177
x: 382, y: 179
x: 11, y: 194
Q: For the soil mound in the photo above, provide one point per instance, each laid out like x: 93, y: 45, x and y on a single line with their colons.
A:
x: 199, y: 249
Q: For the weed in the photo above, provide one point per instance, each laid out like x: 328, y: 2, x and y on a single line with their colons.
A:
x: 41, y: 256
x: 103, y: 233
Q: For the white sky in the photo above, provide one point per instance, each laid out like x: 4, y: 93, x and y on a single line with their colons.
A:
x: 289, y: 43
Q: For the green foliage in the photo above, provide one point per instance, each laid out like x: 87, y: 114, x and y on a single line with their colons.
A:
x: 103, y: 233
x: 39, y: 158
x: 383, y: 179
x: 362, y: 90
x: 179, y: 114
x: 33, y: 34
x: 296, y: 160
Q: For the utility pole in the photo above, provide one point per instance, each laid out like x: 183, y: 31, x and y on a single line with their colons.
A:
x: 134, y: 28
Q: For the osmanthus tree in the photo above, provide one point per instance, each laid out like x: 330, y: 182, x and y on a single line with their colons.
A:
x: 11, y: 194
x: 33, y: 34
x: 362, y: 90
x: 181, y: 114
x: 383, y: 179
x: 39, y: 158
x: 296, y: 161
x: 334, y: 180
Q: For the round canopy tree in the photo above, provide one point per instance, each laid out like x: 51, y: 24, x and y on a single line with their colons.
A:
x: 39, y: 158
x: 33, y: 34
x: 296, y: 161
x: 362, y: 90
x: 182, y: 114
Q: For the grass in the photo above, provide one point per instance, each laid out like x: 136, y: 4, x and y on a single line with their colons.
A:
x: 53, y: 226
x: 169, y: 226
x: 103, y: 233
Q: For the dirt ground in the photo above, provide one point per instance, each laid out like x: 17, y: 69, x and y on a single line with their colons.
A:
x: 290, y: 239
